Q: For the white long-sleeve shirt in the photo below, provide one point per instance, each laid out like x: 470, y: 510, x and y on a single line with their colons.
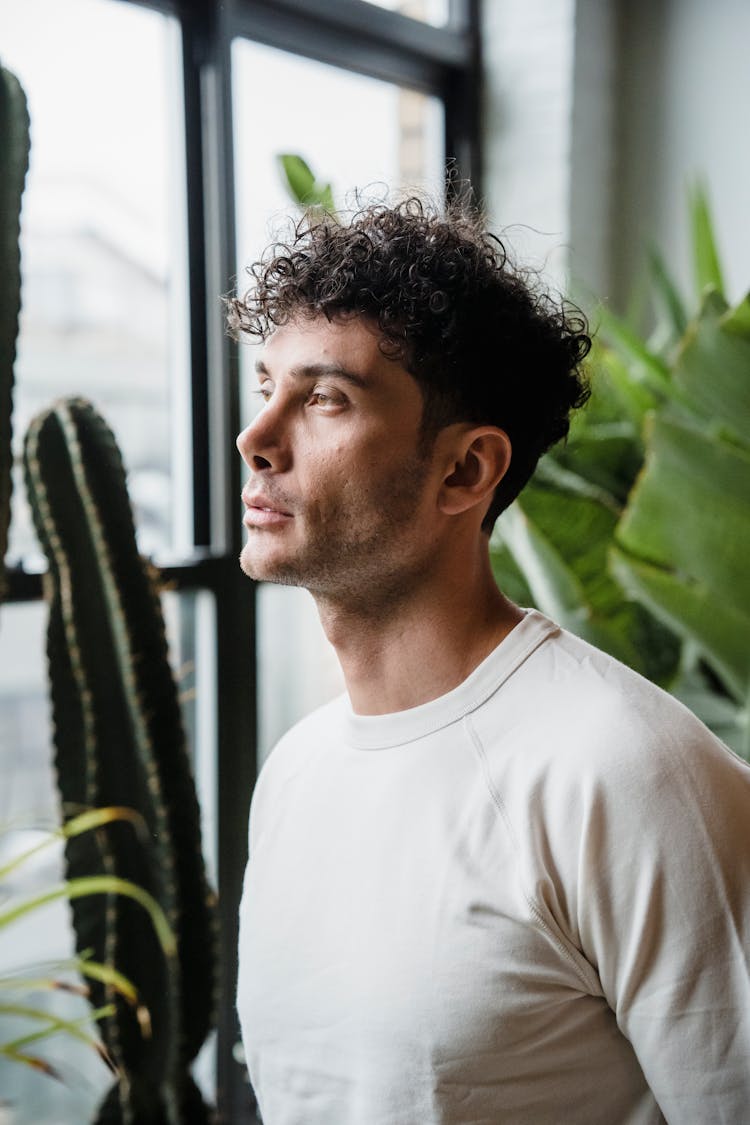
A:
x: 527, y: 901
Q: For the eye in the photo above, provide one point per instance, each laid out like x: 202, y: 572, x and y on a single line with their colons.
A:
x: 323, y: 396
x: 263, y: 392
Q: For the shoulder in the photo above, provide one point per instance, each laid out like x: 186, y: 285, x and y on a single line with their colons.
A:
x: 582, y: 750
x: 622, y: 724
x: 582, y: 710
x: 623, y: 806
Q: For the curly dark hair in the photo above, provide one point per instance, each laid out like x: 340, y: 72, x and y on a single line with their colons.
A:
x: 484, y: 343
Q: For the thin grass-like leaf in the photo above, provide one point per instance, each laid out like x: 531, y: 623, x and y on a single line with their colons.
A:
x: 33, y: 1061
x: 84, y: 822
x: 94, y: 970
x: 54, y: 1024
x: 106, y: 974
x: 647, y: 367
x: 92, y: 885
x: 667, y: 290
x: 14, y: 1049
x: 37, y: 983
x: 706, y: 261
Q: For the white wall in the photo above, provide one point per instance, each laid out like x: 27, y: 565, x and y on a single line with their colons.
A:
x: 597, y: 113
x: 684, y: 82
x: 528, y: 54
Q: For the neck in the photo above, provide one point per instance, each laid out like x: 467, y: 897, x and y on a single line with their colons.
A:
x: 408, y: 653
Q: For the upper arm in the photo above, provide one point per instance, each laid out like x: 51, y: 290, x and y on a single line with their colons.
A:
x: 664, y: 914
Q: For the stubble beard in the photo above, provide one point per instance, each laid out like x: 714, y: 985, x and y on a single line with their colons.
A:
x: 358, y: 554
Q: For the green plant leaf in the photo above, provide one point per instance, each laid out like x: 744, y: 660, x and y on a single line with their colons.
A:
x: 16, y: 982
x: 645, y: 366
x: 737, y: 320
x: 559, y: 540
x: 14, y: 1049
x: 84, y: 822
x: 35, y: 1062
x: 97, y: 885
x: 720, y: 713
x: 325, y: 196
x: 298, y: 176
x: 706, y: 262
x: 604, y: 447
x: 713, y: 367
x: 54, y: 1024
x: 554, y: 472
x: 683, y: 543
x: 616, y: 394
x: 693, y: 612
x: 301, y: 183
x: 33, y: 982
x: 555, y: 588
x: 666, y: 289
x: 108, y: 975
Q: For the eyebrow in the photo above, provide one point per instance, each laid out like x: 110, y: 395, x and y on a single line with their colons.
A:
x: 319, y: 371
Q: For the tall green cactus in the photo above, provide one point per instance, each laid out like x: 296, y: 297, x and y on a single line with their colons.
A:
x: 14, y: 161
x: 119, y: 740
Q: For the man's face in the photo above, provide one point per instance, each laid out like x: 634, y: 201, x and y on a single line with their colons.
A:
x: 338, y: 497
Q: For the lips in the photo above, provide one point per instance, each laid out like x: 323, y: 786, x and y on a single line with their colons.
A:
x: 263, y: 511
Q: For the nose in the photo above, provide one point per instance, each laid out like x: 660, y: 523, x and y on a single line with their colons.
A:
x: 262, y: 444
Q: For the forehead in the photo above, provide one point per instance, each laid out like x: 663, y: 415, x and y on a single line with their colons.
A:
x: 352, y: 343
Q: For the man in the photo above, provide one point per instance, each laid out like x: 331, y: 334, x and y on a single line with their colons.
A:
x: 504, y: 879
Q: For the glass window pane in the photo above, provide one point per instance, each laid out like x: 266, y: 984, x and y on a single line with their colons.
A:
x: 429, y: 11
x: 103, y: 244
x: 190, y: 621
x: 358, y: 133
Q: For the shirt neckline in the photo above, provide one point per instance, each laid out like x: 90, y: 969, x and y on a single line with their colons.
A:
x: 380, y: 732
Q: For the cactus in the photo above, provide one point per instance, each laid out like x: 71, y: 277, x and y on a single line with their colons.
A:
x: 14, y: 161
x: 119, y: 740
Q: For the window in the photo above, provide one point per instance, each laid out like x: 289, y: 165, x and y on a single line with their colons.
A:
x: 156, y: 124
x: 103, y: 249
x: 431, y: 11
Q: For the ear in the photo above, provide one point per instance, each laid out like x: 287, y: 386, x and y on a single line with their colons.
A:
x: 478, y: 462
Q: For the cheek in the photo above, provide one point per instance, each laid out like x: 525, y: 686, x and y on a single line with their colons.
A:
x: 328, y: 482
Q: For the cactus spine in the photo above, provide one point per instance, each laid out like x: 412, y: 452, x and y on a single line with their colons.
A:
x: 119, y: 740
x: 14, y: 161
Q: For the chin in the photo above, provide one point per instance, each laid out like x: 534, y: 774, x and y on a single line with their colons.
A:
x: 266, y: 570
x: 252, y: 566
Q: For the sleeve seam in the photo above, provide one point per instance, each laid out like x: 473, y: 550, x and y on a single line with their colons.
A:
x: 590, y: 980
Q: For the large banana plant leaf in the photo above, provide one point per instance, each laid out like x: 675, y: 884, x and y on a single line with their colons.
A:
x: 712, y: 367
x: 551, y: 548
x: 682, y: 544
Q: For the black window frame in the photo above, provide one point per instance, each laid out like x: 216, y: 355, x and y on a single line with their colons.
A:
x: 357, y: 36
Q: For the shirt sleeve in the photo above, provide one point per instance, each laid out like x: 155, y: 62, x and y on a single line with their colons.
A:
x: 662, y: 910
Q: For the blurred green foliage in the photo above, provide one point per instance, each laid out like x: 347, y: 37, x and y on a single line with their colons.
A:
x: 635, y: 533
